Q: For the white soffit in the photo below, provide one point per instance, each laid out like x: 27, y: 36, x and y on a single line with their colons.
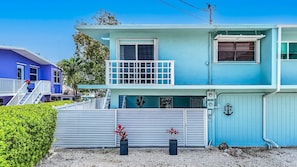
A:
x: 233, y: 38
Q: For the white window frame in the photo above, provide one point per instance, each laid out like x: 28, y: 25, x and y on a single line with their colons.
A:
x: 35, y: 67
x: 22, y: 67
x: 128, y: 41
x: 57, y: 76
x: 288, y: 51
x: 238, y: 38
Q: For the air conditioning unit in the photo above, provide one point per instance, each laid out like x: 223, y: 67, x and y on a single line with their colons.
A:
x: 211, y: 94
x: 210, y: 104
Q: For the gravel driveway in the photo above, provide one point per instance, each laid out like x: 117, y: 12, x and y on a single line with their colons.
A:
x: 187, y: 157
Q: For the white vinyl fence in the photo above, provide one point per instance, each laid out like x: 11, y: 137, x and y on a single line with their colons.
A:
x: 145, y: 127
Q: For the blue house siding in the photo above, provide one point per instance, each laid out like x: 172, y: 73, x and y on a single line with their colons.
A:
x: 250, y: 73
x: 288, y: 72
x: 9, y: 60
x: 12, y: 58
x: 244, y: 126
x: 282, y: 118
x: 184, y: 47
x: 268, y: 58
x: 48, y: 74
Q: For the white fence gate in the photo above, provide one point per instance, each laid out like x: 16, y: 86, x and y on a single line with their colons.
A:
x: 145, y: 127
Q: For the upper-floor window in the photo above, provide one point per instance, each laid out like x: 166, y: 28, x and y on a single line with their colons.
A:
x: 236, y: 51
x: 289, y: 50
x: 237, y: 48
x: 137, y: 49
x: 33, y: 73
x: 57, y: 75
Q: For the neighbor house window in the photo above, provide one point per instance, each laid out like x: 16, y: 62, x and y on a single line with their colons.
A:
x: 237, y: 48
x: 20, y: 72
x: 141, y: 49
x: 289, y: 50
x: 57, y: 75
x: 33, y: 73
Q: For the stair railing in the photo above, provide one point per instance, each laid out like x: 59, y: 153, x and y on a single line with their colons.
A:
x: 18, y: 96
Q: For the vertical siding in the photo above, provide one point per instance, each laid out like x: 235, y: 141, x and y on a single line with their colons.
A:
x: 244, y: 126
x: 282, y: 119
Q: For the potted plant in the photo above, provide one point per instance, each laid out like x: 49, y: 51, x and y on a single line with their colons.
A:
x: 172, y: 141
x: 124, y: 141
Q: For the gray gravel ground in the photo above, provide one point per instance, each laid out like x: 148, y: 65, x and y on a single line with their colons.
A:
x: 187, y: 157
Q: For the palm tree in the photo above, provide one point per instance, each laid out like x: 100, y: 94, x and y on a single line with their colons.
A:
x: 73, y: 72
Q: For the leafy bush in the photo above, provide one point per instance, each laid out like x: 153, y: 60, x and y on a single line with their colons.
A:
x: 26, y: 133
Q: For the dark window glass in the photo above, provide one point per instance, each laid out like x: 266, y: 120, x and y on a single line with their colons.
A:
x: 33, y: 77
x: 33, y: 70
x: 292, y: 50
x: 145, y: 52
x: 127, y: 52
x: 236, y: 51
x: 33, y: 74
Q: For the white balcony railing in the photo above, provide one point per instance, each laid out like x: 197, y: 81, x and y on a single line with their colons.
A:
x: 10, y: 86
x: 139, y: 72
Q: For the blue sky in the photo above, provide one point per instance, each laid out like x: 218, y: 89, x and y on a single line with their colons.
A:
x: 46, y: 27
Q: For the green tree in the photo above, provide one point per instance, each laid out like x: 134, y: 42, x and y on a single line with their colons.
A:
x: 72, y: 72
x: 94, y: 53
x: 87, y: 66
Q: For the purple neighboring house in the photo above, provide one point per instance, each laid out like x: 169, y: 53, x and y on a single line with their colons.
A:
x: 18, y: 65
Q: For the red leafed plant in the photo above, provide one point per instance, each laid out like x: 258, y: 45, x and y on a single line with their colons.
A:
x: 27, y: 81
x: 172, y: 132
x: 121, y: 132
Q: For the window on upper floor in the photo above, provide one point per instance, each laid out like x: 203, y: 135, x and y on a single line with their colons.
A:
x: 237, y: 48
x: 57, y: 75
x: 289, y: 50
x: 137, y: 49
x: 33, y: 73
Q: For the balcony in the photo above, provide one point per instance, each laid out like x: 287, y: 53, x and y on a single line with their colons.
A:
x: 10, y: 86
x: 146, y: 72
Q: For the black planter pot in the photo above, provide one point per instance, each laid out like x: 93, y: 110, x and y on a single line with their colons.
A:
x: 124, y: 147
x: 172, y: 147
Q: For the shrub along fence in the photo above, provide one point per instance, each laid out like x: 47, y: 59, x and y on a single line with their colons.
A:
x: 26, y: 133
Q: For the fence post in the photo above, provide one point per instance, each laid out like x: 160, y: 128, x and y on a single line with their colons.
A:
x: 185, y: 122
x: 115, y: 126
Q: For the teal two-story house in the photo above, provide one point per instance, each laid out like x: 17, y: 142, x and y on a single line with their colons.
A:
x: 244, y: 75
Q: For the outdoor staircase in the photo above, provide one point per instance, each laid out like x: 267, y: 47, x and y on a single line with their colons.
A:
x: 24, y: 98
x: 106, y: 104
x: 122, y: 101
x: 38, y: 98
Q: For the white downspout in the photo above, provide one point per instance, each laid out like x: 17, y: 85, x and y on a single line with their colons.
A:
x: 264, y: 110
